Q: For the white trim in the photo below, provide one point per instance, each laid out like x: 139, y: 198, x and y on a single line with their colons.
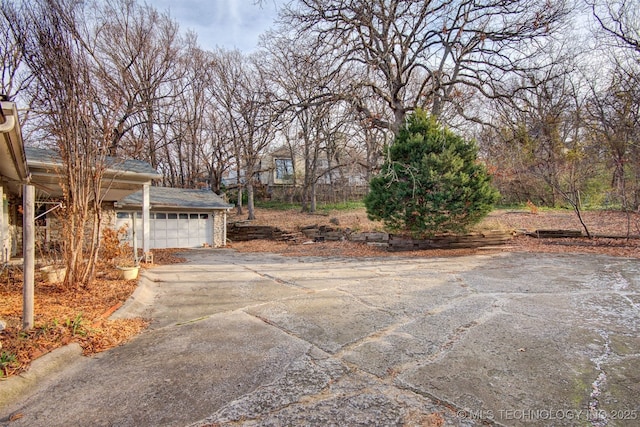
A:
x: 146, y: 222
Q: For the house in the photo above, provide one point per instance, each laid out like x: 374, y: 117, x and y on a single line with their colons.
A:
x: 338, y: 177
x: 13, y: 174
x: 121, y: 178
x: 280, y: 168
x: 178, y: 218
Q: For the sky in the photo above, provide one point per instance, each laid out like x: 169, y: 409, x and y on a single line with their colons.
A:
x: 225, y: 23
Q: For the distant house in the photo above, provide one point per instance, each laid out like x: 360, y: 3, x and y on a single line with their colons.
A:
x: 284, y: 174
x: 279, y: 168
x: 179, y: 218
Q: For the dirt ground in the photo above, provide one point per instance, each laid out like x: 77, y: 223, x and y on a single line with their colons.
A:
x: 599, y: 223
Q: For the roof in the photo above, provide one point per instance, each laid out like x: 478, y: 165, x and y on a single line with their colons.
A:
x: 13, y: 165
x: 49, y: 157
x: 172, y: 198
x: 121, y: 178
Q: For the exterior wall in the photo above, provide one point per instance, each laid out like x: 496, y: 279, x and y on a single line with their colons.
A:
x: 49, y: 231
x: 216, y: 228
x: 108, y: 216
x: 346, y: 183
x: 219, y: 228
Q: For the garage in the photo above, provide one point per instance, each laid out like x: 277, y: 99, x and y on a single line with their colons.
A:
x: 178, y: 218
x: 171, y: 229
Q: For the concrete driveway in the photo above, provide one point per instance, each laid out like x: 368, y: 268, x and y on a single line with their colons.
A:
x: 255, y: 339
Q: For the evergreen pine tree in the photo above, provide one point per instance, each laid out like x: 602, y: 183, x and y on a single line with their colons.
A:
x: 431, y: 182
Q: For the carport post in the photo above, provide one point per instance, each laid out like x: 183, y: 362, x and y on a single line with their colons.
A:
x: 4, y: 230
x: 29, y: 255
x: 146, y: 206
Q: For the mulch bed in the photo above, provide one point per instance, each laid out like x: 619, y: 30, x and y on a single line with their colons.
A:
x: 64, y: 315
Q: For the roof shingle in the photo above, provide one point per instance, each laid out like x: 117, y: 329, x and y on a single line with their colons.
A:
x: 165, y: 197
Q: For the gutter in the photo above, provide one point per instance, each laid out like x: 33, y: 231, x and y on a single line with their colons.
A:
x: 9, y: 126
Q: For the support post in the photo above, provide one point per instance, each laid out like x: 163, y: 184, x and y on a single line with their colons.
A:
x: 135, y: 238
x: 29, y: 254
x: 146, y: 207
x: 4, y: 230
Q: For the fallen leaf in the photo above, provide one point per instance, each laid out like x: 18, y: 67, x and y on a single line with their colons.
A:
x: 16, y: 416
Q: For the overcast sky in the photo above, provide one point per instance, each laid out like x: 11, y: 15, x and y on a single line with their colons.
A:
x: 225, y: 23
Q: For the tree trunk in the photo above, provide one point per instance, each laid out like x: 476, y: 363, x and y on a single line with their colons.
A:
x: 250, y: 207
x: 312, y: 197
x: 239, y: 202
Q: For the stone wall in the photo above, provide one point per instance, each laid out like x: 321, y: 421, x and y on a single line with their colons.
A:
x: 219, y: 228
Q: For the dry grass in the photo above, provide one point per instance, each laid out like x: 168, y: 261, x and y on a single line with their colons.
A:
x: 293, y: 219
x: 599, y: 222
x: 63, y: 316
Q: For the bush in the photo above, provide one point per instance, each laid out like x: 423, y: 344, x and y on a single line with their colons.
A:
x: 431, y: 182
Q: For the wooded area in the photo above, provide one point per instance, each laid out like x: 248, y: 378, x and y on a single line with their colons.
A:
x: 550, y: 91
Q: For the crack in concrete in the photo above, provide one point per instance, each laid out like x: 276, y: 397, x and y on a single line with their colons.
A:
x: 460, y: 411
x: 598, y: 417
x: 273, y: 278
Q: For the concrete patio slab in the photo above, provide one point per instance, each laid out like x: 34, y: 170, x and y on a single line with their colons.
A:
x: 257, y: 339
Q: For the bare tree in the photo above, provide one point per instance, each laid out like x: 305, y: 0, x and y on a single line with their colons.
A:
x: 187, y: 128
x: 14, y: 77
x: 539, y: 145
x: 138, y: 49
x: 614, y: 123
x: 619, y: 19
x: 217, y: 149
x: 416, y: 53
x: 246, y: 103
x: 69, y: 106
x: 300, y: 81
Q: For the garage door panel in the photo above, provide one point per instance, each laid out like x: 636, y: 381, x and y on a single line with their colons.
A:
x: 170, y: 229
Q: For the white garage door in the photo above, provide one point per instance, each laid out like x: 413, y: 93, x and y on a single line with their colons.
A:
x: 170, y: 229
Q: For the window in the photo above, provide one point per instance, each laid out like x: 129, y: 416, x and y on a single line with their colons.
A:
x: 284, y: 169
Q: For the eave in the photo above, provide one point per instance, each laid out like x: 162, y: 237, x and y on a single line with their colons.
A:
x: 13, y: 164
